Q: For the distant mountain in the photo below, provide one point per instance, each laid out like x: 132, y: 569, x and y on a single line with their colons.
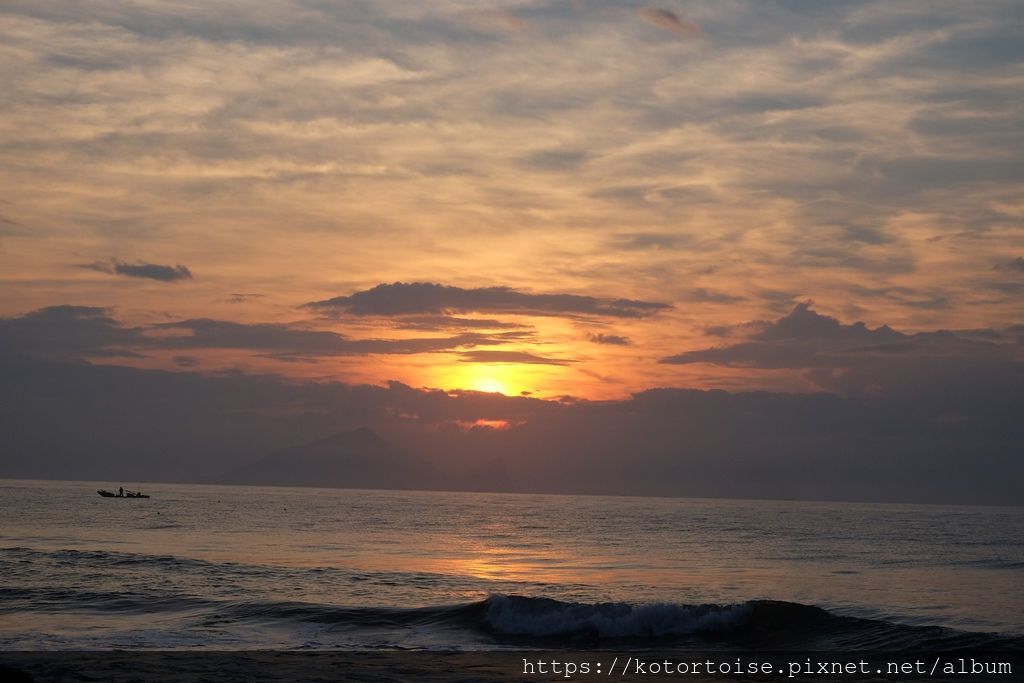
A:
x: 355, y: 459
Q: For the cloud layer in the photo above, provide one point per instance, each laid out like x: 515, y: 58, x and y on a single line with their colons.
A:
x: 671, y: 21
x: 853, y: 358
x: 149, y: 271
x: 863, y: 154
x: 79, y: 332
x: 644, y: 171
x: 417, y: 298
x: 960, y: 445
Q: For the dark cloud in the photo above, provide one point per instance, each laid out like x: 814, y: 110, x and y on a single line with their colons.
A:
x: 805, y: 323
x: 855, y: 358
x: 510, y: 357
x: 718, y: 330
x: 867, y: 234
x: 913, y: 174
x: 642, y: 240
x: 704, y: 295
x: 929, y: 299
x: 401, y: 299
x: 243, y: 298
x: 9, y: 228
x: 290, y: 357
x: 801, y: 339
x: 445, y: 322
x: 759, y: 102
x: 1013, y: 265
x: 982, y: 127
x: 556, y: 159
x: 628, y: 194
x: 149, y: 271
x: 612, y: 339
x: 671, y: 21
x: 935, y: 303
x: 67, y: 331
x: 969, y: 50
x: 77, y: 332
x: 961, y: 444
x: 1013, y: 288
x: 853, y: 257
x: 284, y: 340
x: 206, y: 333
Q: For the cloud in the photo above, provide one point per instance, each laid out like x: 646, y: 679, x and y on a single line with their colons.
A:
x: 671, y: 21
x: 284, y: 339
x: 510, y: 357
x: 67, y: 331
x: 612, y: 339
x: 77, y: 332
x: 10, y: 228
x: 444, y: 322
x: 853, y: 358
x: 1015, y: 265
x: 241, y: 298
x: 402, y: 298
x: 804, y: 338
x: 150, y: 271
x: 494, y: 20
x: 379, y: 132
x: 959, y: 445
x: 640, y: 241
x: 556, y: 159
x: 704, y: 295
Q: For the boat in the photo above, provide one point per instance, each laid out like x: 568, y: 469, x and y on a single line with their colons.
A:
x: 127, y: 494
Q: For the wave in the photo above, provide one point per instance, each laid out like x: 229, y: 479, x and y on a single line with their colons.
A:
x: 56, y: 600
x: 762, y: 624
x: 12, y: 557
x: 225, y: 593
x: 503, y: 620
x: 101, y: 558
x: 547, y: 618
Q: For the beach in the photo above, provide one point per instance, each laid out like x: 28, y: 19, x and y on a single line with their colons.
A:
x: 305, y: 584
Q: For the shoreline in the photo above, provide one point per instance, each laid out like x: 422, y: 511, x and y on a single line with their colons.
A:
x: 398, y: 666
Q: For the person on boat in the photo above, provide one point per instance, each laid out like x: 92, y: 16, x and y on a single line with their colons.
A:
x: 120, y: 492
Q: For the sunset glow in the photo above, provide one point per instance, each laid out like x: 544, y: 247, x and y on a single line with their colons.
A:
x: 439, y: 214
x: 484, y: 202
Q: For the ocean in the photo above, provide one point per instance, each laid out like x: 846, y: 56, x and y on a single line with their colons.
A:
x: 262, y: 568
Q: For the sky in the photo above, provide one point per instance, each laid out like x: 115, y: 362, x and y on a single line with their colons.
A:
x: 571, y: 201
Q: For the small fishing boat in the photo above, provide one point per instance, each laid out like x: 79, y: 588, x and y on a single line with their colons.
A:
x: 127, y: 494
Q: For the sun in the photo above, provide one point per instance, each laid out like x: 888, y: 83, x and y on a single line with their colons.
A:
x: 489, y: 385
x: 507, y: 379
x: 490, y: 378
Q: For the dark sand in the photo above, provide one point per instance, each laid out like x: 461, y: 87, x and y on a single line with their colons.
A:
x: 122, y: 667
x: 372, y: 667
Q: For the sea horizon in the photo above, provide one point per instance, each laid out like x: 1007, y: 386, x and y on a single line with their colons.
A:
x: 157, y: 482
